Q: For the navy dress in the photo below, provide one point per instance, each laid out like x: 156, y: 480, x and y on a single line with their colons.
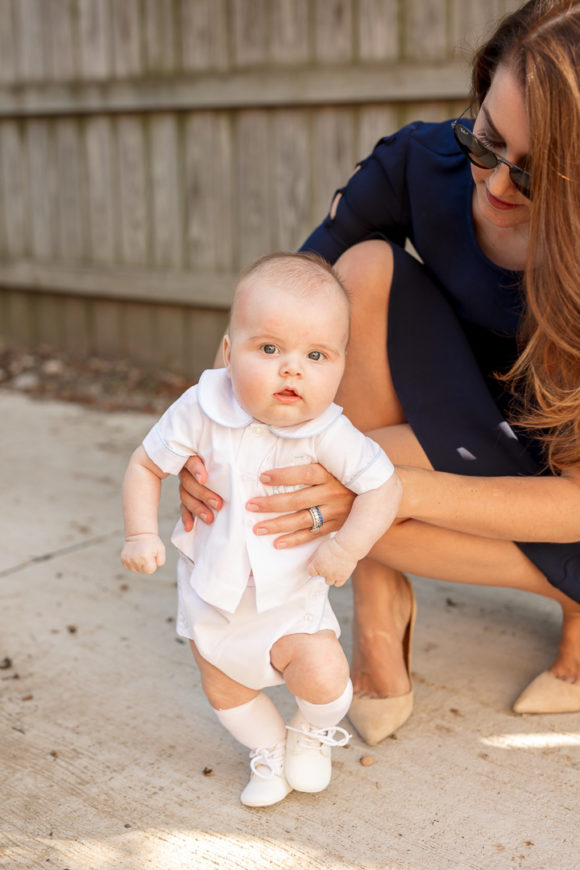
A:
x: 452, y: 318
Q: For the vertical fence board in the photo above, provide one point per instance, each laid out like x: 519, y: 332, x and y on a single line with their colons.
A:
x: 204, y: 333
x: 333, y: 36
x: 159, y: 36
x: 42, y: 190
x: 208, y: 183
x: 378, y: 29
x: 292, y: 184
x: 61, y: 38
x: 108, y: 328
x: 166, y: 199
x: 140, y: 331
x: 203, y: 31
x: 100, y: 193
x: 470, y: 23
x: 333, y: 155
x: 374, y: 123
x: 426, y: 29
x: 14, y: 190
x: 133, y: 216
x: 30, y: 40
x: 250, y: 32
x: 290, y: 32
x: 94, y: 38
x: 49, y: 326
x: 21, y: 317
x: 71, y: 219
x: 7, y: 43
x: 126, y: 25
x: 77, y: 332
x: 253, y: 205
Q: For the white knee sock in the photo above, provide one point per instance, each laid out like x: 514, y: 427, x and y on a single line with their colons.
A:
x: 255, y: 724
x: 326, y: 715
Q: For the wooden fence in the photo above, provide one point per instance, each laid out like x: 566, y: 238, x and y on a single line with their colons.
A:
x: 151, y: 148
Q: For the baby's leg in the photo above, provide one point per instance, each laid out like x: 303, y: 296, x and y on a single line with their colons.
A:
x: 315, y: 670
x: 250, y: 717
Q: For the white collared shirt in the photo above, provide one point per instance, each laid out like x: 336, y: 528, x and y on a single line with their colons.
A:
x: 236, y: 449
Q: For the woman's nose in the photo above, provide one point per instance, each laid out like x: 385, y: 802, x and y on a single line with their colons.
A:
x: 500, y: 182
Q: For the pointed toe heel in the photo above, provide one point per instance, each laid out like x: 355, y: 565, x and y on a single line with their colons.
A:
x: 549, y: 694
x: 377, y: 718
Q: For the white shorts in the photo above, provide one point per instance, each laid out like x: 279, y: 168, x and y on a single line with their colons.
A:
x: 239, y: 643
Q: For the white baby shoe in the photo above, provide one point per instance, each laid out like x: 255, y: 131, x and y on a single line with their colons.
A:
x: 267, y: 783
x: 308, y: 764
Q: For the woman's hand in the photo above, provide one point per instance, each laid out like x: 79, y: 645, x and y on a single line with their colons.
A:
x: 196, y: 499
x: 320, y: 489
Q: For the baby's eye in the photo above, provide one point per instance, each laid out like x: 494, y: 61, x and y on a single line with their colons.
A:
x: 316, y: 355
x: 269, y: 348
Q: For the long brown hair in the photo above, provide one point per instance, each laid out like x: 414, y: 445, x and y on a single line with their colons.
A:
x: 540, y: 42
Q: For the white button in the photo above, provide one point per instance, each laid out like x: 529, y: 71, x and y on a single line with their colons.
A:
x: 308, y: 617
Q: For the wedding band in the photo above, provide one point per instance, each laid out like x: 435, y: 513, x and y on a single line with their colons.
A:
x: 317, y: 521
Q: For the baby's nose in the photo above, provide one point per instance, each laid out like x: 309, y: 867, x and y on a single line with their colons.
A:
x: 290, y: 365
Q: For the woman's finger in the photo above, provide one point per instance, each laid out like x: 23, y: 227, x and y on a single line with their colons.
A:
x: 330, y: 492
x: 304, y: 536
x: 296, y: 475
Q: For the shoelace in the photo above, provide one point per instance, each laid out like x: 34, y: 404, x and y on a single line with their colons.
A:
x: 311, y: 737
x: 271, y: 758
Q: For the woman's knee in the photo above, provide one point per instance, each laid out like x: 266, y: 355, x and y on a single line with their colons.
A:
x: 366, y: 270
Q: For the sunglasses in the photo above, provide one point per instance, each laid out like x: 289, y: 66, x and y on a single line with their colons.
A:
x: 482, y: 156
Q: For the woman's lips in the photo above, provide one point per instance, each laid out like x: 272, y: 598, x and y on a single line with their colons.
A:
x: 499, y: 203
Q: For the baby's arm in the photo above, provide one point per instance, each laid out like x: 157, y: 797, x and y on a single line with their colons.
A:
x: 143, y: 550
x: 371, y: 515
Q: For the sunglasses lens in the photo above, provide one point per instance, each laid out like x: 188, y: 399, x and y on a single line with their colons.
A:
x: 473, y: 148
x: 484, y: 157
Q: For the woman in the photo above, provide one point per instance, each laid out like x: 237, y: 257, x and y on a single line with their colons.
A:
x: 477, y: 399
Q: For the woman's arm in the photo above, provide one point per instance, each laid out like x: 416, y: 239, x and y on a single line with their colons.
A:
x: 505, y: 508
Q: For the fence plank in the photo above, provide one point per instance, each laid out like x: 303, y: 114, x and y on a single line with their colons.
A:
x: 205, y: 330
x: 14, y: 190
x: 30, y: 40
x: 71, y: 222
x: 425, y: 29
x: 108, y: 324
x: 374, y: 123
x: 250, y: 32
x: 166, y: 200
x: 333, y: 155
x: 61, y: 36
x: 333, y: 36
x: 126, y: 26
x: 133, y: 216
x: 100, y: 190
x: 290, y: 36
x: 42, y: 189
x: 94, y: 38
x: 253, y: 186
x: 78, y: 332
x: 7, y: 43
x: 203, y: 30
x: 159, y: 36
x: 208, y: 186
x: 378, y: 30
x: 292, y: 184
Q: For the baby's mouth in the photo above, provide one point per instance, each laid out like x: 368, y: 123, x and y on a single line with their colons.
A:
x: 288, y: 394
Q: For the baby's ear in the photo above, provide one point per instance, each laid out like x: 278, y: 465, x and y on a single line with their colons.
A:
x: 226, y: 350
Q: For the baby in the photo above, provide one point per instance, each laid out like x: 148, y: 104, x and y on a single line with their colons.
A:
x: 255, y: 615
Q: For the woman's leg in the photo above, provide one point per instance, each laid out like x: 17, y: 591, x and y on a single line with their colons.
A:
x: 382, y: 604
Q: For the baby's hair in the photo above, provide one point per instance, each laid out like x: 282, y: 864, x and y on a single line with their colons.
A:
x: 302, y: 273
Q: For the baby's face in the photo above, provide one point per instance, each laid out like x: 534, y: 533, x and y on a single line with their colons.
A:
x: 285, y: 353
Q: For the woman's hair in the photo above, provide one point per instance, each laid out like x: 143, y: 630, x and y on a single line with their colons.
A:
x: 540, y: 43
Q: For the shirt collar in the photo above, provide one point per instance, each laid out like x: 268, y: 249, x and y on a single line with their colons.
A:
x: 217, y: 401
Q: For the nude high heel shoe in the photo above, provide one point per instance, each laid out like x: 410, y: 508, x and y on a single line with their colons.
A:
x: 548, y: 694
x: 377, y: 718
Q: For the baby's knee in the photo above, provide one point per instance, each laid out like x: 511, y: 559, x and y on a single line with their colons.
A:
x: 326, y: 665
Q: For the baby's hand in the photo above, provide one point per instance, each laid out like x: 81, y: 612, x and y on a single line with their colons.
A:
x: 332, y: 562
x: 143, y: 554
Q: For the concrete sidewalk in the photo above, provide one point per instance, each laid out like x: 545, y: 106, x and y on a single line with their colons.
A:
x: 112, y: 760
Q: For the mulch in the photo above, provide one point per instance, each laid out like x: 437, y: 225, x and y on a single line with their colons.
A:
x: 105, y: 384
